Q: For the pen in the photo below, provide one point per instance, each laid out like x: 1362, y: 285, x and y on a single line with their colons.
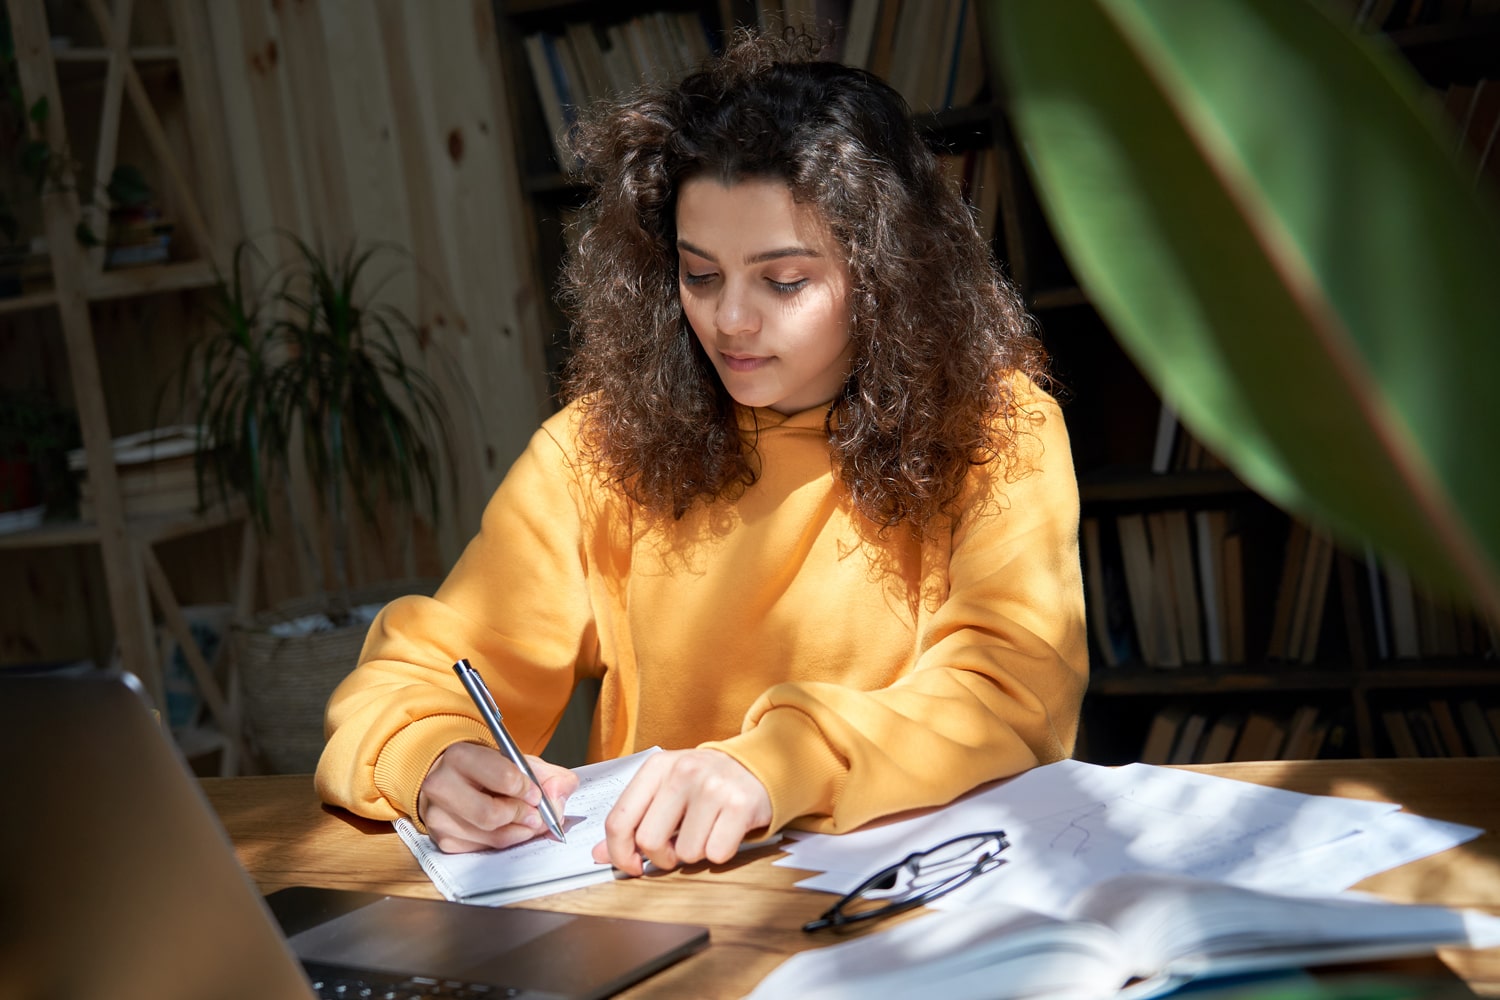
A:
x: 474, y: 684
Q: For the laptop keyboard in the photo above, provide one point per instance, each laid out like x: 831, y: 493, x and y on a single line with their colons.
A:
x: 332, y: 983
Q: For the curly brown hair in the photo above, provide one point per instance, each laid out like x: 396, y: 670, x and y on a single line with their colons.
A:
x: 936, y: 329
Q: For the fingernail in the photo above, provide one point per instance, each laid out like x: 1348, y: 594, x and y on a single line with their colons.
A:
x: 534, y: 822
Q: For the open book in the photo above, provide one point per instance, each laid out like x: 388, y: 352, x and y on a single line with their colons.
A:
x: 538, y: 866
x: 1135, y: 936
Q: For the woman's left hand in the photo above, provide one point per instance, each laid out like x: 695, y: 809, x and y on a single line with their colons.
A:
x: 681, y: 807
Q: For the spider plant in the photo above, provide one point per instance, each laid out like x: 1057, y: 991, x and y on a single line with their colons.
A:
x: 309, y: 366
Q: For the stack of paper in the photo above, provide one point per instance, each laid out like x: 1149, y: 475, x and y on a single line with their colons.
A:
x: 1137, y: 875
x: 1072, y: 825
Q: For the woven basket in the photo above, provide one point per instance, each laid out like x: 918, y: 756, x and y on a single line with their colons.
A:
x: 286, y: 681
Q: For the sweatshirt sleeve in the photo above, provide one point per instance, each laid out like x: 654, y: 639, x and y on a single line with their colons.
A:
x: 516, y: 605
x: 999, y: 675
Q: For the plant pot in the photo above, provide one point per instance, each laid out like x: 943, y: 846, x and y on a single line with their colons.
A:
x: 11, y: 260
x: 17, y: 484
x: 287, y: 679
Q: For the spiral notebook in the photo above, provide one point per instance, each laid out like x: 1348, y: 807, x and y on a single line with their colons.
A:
x: 539, y: 866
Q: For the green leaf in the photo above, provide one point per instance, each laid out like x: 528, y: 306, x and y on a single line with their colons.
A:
x: 35, y: 158
x: 1260, y: 206
x: 127, y: 187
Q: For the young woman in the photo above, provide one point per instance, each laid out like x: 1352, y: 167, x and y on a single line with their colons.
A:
x: 809, y: 514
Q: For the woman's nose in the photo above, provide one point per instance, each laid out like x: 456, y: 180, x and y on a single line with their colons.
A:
x: 735, y: 313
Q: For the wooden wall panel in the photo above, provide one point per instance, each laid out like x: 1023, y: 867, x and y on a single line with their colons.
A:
x: 463, y: 133
x: 387, y: 122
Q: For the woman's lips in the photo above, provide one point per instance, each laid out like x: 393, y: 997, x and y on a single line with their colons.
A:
x: 743, y: 363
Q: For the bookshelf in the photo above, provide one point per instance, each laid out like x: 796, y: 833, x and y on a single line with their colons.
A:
x: 98, y: 322
x: 1263, y: 622
x: 1345, y: 657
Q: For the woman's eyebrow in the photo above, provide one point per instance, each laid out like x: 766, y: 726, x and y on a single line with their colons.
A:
x: 760, y: 258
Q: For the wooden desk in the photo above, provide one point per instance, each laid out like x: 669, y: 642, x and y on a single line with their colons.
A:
x: 284, y: 837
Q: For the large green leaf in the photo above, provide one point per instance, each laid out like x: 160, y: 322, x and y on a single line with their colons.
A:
x: 1264, y: 210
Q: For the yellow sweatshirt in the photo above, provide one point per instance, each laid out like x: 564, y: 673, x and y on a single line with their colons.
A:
x: 853, y: 679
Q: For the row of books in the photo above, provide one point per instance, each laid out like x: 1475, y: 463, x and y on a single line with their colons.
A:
x: 1410, y: 621
x: 588, y: 60
x: 1302, y: 595
x: 1443, y: 728
x: 156, y: 470
x: 1181, y: 734
x: 929, y: 50
x: 1394, y: 15
x: 977, y: 173
x: 1177, y: 449
x: 1165, y: 587
x: 1474, y: 110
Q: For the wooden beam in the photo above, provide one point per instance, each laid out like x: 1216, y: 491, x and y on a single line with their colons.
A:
x: 151, y: 126
x: 171, y: 612
x: 96, y: 214
x: 69, y: 266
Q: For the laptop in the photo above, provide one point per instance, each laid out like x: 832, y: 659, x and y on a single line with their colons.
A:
x: 117, y: 882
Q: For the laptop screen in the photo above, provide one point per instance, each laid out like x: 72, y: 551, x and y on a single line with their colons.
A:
x: 117, y: 881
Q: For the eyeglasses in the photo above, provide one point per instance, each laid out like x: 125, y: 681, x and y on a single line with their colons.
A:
x: 918, y: 878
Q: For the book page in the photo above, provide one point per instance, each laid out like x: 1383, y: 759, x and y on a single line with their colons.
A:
x: 1191, y: 927
x: 994, y: 951
x: 1135, y: 936
x: 462, y: 877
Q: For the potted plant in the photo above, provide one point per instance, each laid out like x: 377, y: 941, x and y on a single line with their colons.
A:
x: 35, y: 434
x: 31, y: 164
x: 309, y: 365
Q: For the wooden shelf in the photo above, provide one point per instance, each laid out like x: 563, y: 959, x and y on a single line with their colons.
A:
x: 96, y: 54
x: 123, y: 282
x: 1136, y: 485
x: 1464, y: 50
x: 1398, y: 674
x: 553, y: 184
x: 151, y: 529
x: 1059, y: 298
x: 150, y: 279
x: 1199, y: 679
x: 27, y: 301
x: 52, y: 535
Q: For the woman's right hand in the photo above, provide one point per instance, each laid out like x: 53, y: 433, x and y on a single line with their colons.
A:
x: 474, y: 798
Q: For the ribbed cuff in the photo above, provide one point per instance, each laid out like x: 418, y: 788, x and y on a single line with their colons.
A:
x: 408, y: 755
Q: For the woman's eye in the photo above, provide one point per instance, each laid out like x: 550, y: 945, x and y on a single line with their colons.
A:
x: 688, y: 278
x: 787, y: 287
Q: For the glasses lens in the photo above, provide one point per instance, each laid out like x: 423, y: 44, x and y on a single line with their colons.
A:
x: 953, y: 862
x: 917, y: 879
x: 927, y: 874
